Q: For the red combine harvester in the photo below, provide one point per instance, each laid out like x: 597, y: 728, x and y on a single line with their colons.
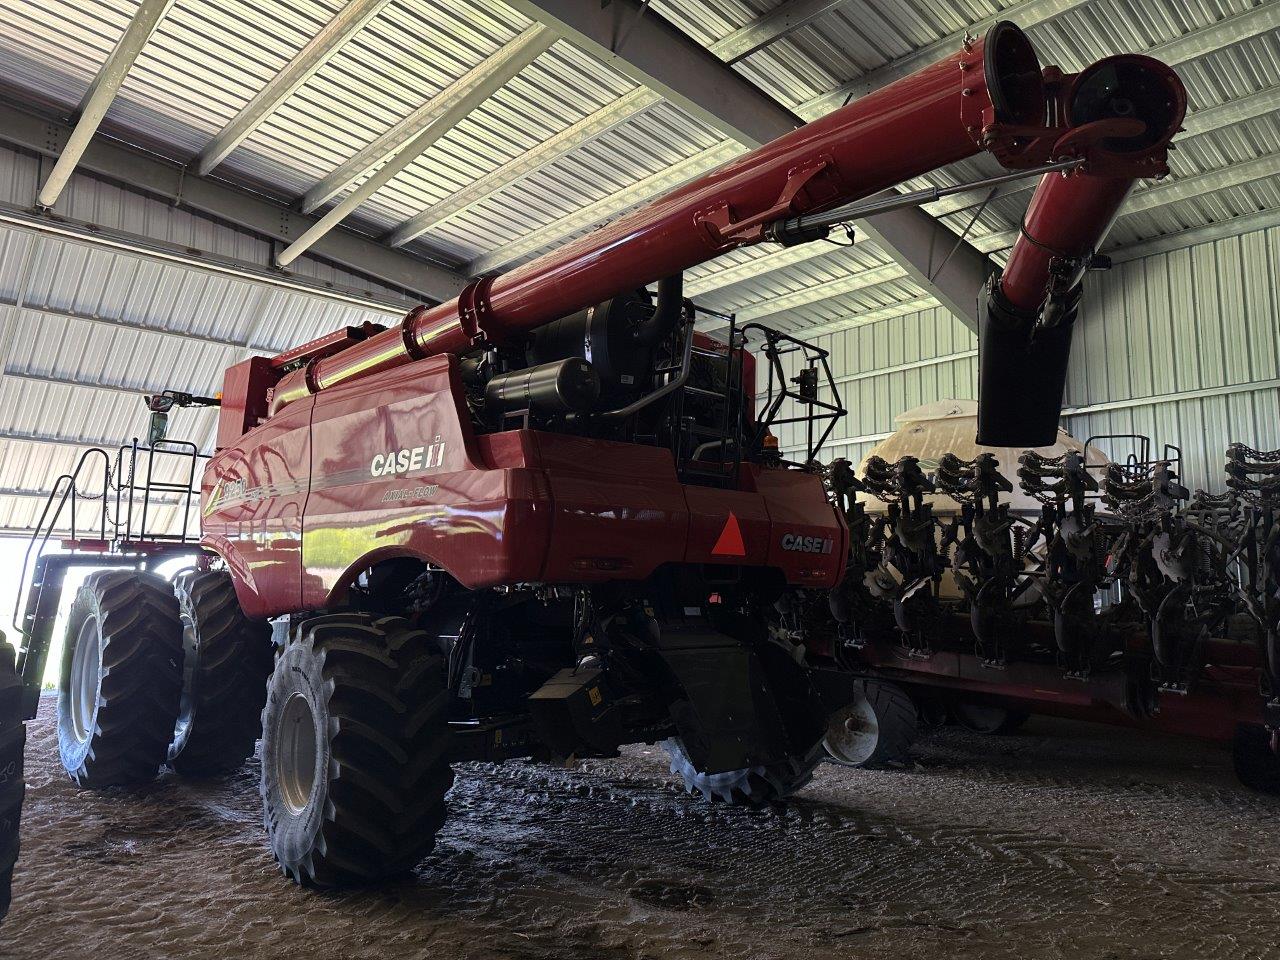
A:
x: 546, y: 518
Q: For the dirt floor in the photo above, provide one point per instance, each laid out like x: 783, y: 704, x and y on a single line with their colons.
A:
x: 1064, y: 840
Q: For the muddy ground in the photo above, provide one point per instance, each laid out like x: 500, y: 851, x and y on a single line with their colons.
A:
x: 1064, y: 840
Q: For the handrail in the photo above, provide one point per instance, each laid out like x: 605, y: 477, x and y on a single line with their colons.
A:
x: 68, y: 484
x: 119, y: 517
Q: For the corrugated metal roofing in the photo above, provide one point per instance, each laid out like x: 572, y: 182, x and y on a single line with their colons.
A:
x: 111, y: 318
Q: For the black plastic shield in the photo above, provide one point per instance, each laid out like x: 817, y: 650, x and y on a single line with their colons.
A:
x: 1021, y: 377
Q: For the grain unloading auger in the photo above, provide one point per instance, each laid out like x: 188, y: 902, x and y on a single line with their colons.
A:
x: 546, y: 518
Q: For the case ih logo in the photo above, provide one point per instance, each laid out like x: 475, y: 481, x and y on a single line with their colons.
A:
x: 409, y: 459
x: 799, y: 544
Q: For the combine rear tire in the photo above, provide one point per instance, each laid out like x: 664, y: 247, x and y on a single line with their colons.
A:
x: 12, y: 738
x: 121, y: 678
x: 1257, y: 765
x: 750, y: 787
x: 227, y: 659
x: 877, y: 728
x: 354, y: 750
x: 988, y: 718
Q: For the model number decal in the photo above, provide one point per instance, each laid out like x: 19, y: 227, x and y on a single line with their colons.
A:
x: 410, y: 458
x: 800, y: 544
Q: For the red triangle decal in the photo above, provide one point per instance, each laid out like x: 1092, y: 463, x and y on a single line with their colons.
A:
x: 730, y: 543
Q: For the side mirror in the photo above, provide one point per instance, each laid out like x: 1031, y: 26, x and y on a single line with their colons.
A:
x: 159, y: 426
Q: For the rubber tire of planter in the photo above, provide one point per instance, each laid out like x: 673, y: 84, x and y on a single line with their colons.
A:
x: 750, y: 787
x: 991, y: 720
x: 354, y: 750
x: 227, y: 659
x: 118, y: 731
x: 1257, y: 765
x: 887, y: 719
x: 13, y: 734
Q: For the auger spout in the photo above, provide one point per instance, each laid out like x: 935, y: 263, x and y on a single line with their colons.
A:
x: 1030, y: 307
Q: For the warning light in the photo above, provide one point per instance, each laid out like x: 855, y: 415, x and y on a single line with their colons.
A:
x: 730, y: 543
x: 770, y: 441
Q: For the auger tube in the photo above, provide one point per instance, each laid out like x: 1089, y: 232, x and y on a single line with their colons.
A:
x: 988, y: 95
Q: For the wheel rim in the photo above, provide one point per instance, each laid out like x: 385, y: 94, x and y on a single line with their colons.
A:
x: 86, y: 669
x: 853, y: 733
x: 190, y: 667
x: 296, y: 753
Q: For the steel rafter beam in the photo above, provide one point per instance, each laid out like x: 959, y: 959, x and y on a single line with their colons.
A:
x: 349, y: 20
x: 588, y: 216
x: 141, y: 171
x: 1189, y: 188
x: 750, y: 38
x: 823, y: 291
x: 439, y: 114
x: 1193, y: 236
x: 915, y: 305
x: 59, y: 439
x: 101, y: 93
x: 531, y: 161
x: 699, y: 283
x: 1242, y: 110
x: 18, y: 307
x: 781, y: 21
x: 98, y: 385
x: 1226, y: 33
x: 462, y: 98
x: 662, y: 58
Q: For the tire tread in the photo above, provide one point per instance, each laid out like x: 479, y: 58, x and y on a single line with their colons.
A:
x: 229, y: 683
x: 141, y: 678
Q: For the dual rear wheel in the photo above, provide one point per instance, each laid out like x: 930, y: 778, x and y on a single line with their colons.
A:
x: 352, y: 717
x: 157, y: 673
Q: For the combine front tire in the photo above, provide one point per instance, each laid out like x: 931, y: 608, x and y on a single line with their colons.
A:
x: 877, y: 728
x: 12, y: 738
x: 1257, y: 764
x: 750, y: 787
x: 227, y: 659
x: 354, y: 750
x: 121, y: 678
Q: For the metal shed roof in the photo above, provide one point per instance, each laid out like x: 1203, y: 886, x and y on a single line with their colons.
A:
x: 567, y: 142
